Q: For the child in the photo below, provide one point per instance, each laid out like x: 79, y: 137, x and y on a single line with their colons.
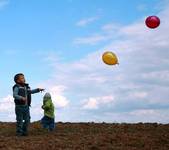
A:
x: 22, y: 98
x: 48, y: 121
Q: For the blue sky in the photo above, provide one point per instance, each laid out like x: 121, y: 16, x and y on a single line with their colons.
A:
x: 58, y: 46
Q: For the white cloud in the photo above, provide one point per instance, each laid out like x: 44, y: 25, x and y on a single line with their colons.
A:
x: 160, y: 75
x: 139, y: 115
x: 91, y: 103
x: 111, y: 27
x: 143, y: 112
x: 138, y: 95
x: 7, y: 109
x: 92, y: 40
x: 57, y: 96
x: 95, y: 102
x: 7, y: 104
x: 150, y: 115
x: 107, y: 31
x: 86, y: 21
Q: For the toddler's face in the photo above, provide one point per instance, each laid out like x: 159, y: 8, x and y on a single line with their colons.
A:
x: 21, y: 80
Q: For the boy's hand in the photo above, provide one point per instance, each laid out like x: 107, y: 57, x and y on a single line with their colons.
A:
x: 41, y: 90
x: 24, y: 99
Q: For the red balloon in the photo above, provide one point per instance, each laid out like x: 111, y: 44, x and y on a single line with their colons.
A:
x: 152, y: 22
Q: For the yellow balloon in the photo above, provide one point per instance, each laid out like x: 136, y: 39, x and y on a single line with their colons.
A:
x: 110, y: 58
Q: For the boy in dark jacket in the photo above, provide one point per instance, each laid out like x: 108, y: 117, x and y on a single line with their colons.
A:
x: 22, y: 98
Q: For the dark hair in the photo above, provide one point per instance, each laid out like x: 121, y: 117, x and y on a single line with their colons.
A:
x: 17, y: 76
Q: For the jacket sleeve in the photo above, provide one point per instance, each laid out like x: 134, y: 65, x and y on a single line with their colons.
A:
x: 34, y: 91
x: 15, y: 93
x: 47, y: 105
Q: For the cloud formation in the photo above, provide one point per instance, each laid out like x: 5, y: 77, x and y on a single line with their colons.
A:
x: 94, y: 102
x: 138, y: 85
x: 86, y: 21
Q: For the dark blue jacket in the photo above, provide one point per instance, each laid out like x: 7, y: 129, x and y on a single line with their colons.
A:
x: 20, y: 91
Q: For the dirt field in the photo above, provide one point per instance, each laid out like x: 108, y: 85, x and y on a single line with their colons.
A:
x: 84, y: 136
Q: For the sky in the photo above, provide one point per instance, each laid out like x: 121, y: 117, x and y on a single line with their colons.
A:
x: 58, y: 45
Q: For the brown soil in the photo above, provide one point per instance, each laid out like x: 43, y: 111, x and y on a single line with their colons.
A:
x: 87, y: 136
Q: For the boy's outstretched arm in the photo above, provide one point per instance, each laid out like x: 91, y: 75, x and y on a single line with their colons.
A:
x: 36, y: 90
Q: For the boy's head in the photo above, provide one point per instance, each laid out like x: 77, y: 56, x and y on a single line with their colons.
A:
x: 19, y: 78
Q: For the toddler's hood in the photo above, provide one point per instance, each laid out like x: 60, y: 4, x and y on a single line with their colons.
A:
x: 47, y: 96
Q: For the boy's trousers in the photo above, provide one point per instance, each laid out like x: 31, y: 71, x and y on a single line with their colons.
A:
x: 22, y: 118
